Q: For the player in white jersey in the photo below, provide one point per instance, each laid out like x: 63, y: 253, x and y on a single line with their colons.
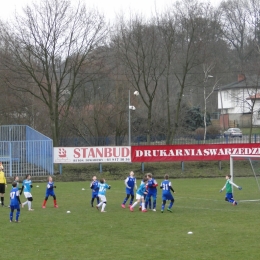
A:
x: 27, y: 185
x: 140, y: 196
x: 102, y: 194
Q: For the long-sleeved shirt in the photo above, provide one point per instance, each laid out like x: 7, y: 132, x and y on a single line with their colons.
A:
x: 2, y: 177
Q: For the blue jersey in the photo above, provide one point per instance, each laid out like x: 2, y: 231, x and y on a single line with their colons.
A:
x: 141, y: 189
x: 50, y: 189
x: 151, y: 186
x: 165, y: 185
x: 14, y: 193
x: 27, y: 185
x: 94, y: 186
x: 102, y: 188
x: 50, y: 186
x: 130, y: 182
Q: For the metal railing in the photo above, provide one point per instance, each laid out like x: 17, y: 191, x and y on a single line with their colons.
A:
x: 156, y: 140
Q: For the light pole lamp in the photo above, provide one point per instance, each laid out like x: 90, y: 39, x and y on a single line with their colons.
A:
x: 136, y: 93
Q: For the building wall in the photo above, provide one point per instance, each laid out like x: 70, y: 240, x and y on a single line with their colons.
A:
x: 240, y: 120
x: 234, y: 101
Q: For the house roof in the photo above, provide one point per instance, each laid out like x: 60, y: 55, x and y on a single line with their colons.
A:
x: 256, y: 96
x: 243, y: 82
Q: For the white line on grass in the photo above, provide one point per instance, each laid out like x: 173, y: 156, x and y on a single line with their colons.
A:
x: 213, y: 209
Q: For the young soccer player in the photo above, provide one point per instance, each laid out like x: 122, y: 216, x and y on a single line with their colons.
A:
x: 27, y: 185
x: 140, y: 196
x: 150, y: 201
x: 102, y: 194
x: 14, y: 202
x: 152, y: 191
x: 94, y: 187
x: 3, y: 184
x: 166, y: 187
x: 228, y: 186
x: 130, y: 183
x: 50, y: 192
x: 16, y: 179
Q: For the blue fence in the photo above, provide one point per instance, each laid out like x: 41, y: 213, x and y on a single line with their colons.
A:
x: 23, y: 151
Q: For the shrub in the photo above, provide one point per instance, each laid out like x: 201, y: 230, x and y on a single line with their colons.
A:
x: 213, y: 131
x: 199, y: 133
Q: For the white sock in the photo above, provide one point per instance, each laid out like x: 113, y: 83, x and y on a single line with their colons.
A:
x: 143, y: 205
x: 25, y: 202
x: 134, y: 204
x: 100, y: 203
x: 29, y: 205
x: 103, y: 206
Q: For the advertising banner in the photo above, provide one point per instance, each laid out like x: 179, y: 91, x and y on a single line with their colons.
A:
x: 204, y: 152
x: 97, y: 154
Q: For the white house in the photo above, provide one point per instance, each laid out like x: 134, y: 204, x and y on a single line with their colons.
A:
x: 237, y: 100
x: 255, y: 102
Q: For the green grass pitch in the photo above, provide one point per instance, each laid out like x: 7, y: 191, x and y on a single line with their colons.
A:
x: 220, y: 230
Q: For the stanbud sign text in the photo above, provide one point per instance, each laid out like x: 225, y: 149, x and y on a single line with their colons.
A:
x: 97, y: 154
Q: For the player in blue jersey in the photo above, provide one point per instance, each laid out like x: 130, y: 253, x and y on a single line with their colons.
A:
x: 141, y: 191
x: 166, y: 187
x: 102, y: 194
x: 27, y: 185
x: 150, y: 201
x: 152, y: 191
x: 94, y: 187
x: 14, y: 202
x: 130, y: 183
x: 50, y: 192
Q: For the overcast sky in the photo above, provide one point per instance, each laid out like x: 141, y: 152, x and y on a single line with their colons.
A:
x: 108, y: 7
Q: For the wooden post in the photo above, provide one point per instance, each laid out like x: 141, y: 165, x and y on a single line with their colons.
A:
x: 142, y: 167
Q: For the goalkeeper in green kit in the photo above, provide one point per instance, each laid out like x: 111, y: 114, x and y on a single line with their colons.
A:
x: 228, y: 186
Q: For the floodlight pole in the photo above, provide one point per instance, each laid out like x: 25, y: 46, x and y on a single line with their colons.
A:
x: 129, y: 119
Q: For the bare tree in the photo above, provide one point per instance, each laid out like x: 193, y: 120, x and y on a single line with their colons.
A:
x: 195, y: 28
x: 50, y: 45
x: 207, y: 68
x: 236, y: 19
x: 138, y: 44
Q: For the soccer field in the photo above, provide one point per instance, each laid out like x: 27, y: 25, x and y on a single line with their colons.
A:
x: 220, y: 230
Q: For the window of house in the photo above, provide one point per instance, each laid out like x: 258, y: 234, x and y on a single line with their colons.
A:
x: 225, y: 95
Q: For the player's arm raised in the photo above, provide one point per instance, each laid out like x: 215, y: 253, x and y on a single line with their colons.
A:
x: 21, y: 190
x: 232, y: 183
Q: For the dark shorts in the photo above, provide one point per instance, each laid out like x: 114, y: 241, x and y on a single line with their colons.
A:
x: 50, y: 193
x: 229, y: 195
x: 2, y: 188
x: 13, y: 207
x: 151, y: 195
x: 167, y: 196
x: 130, y: 191
x: 94, y: 195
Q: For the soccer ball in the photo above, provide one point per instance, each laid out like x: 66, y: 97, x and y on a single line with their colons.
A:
x: 136, y: 93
